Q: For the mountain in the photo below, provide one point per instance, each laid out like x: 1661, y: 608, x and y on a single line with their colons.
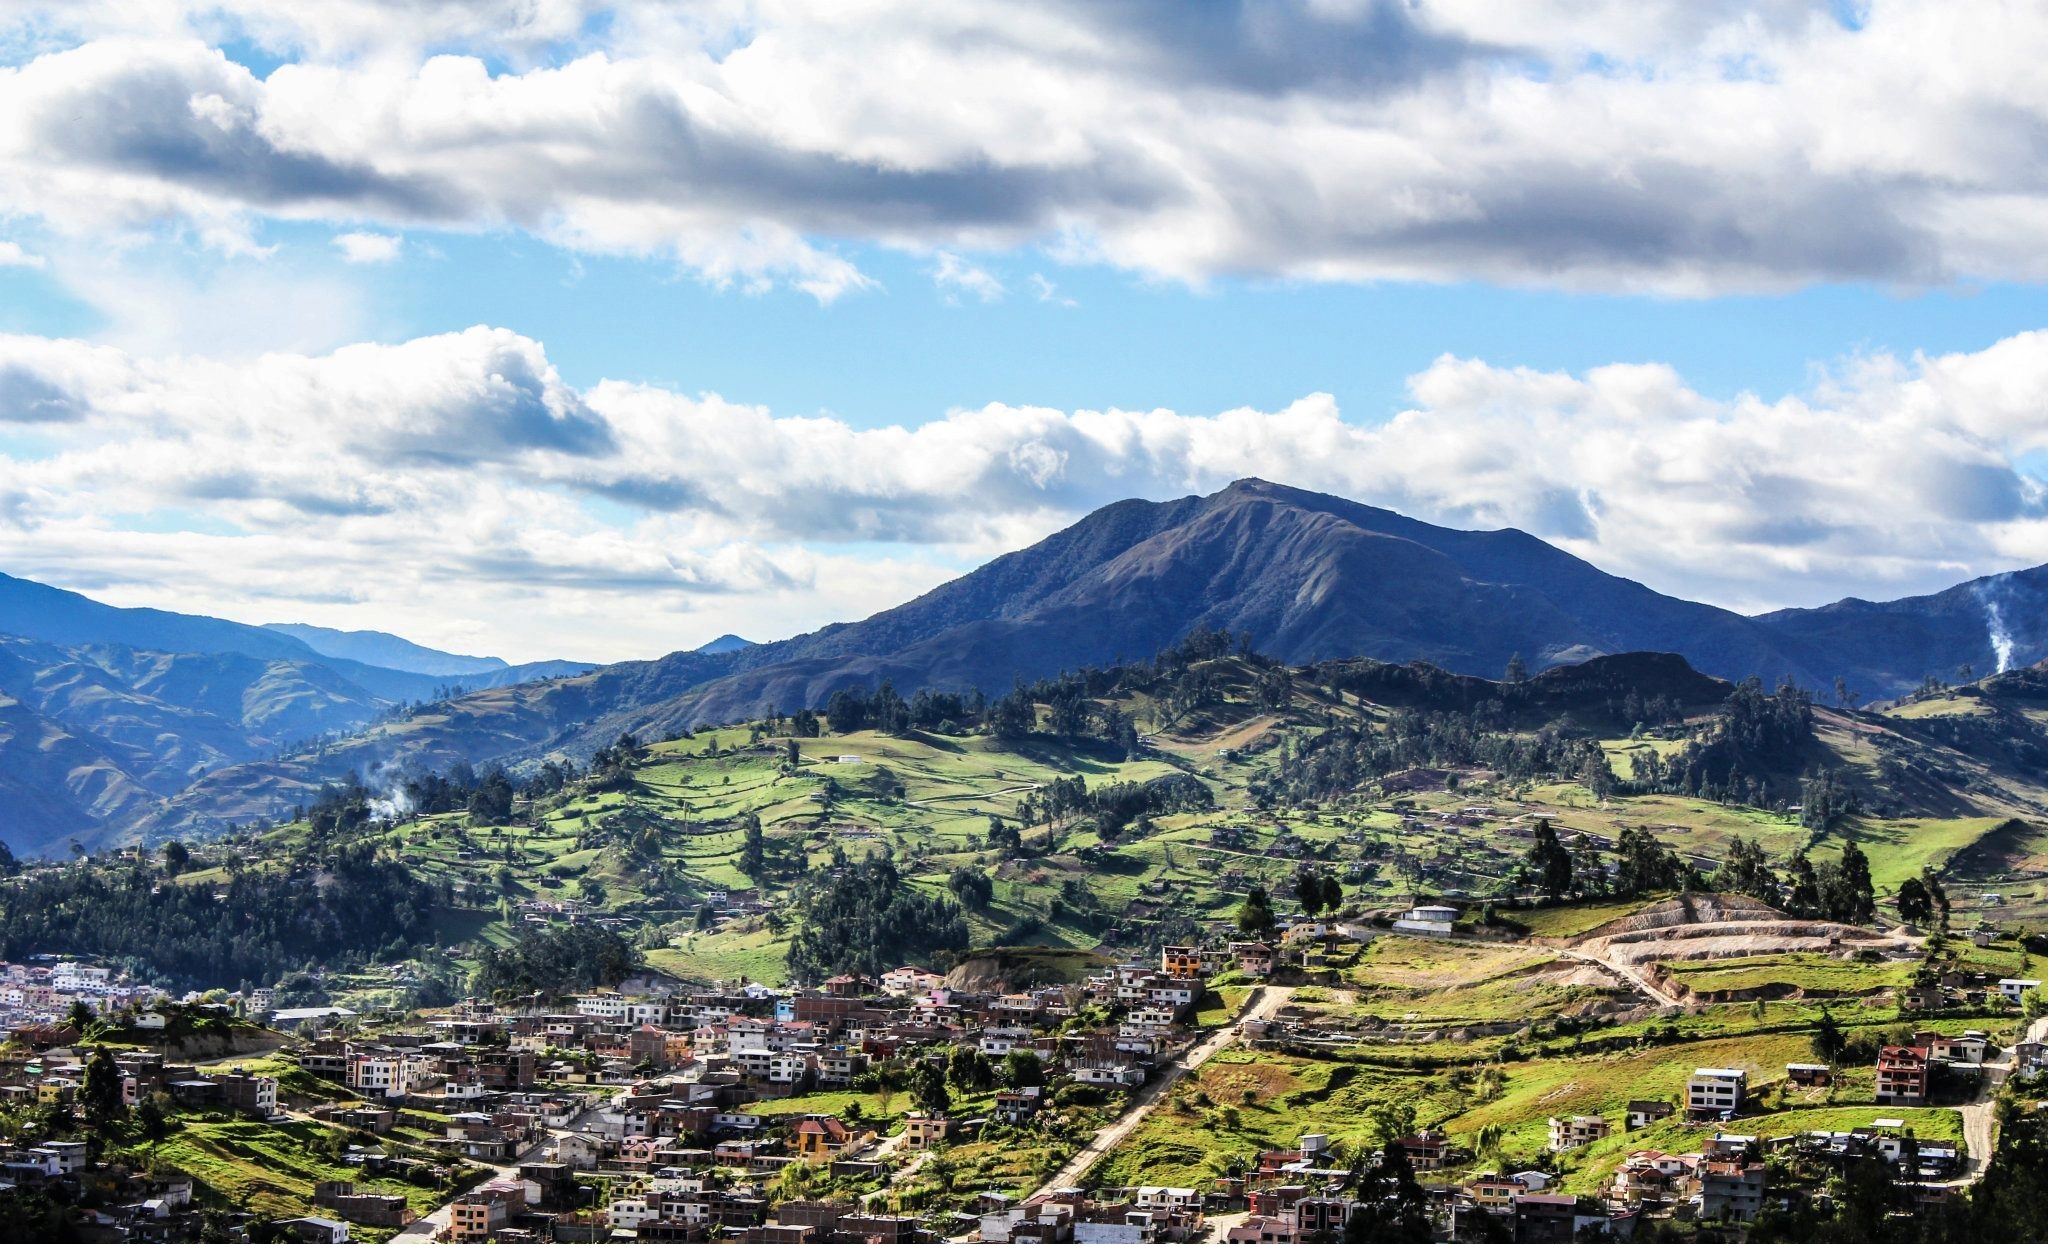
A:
x: 723, y: 644
x: 1309, y: 577
x: 105, y: 712
x: 1992, y: 624
x: 386, y: 650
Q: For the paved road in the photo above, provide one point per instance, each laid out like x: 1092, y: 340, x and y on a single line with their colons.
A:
x: 1263, y: 1002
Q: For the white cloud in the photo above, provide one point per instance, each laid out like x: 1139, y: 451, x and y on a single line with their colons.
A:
x: 12, y: 256
x: 1046, y: 291
x: 953, y: 273
x: 457, y: 488
x: 368, y: 248
x: 1680, y: 146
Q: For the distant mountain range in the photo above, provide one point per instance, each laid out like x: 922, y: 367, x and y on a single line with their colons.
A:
x: 1310, y: 577
x: 107, y: 712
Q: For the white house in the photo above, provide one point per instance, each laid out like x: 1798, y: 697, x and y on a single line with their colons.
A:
x: 1430, y: 921
x: 1715, y: 1090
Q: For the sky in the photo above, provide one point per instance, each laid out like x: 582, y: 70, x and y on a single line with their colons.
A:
x: 559, y: 328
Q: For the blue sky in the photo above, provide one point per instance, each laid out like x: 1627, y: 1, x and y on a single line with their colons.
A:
x: 908, y: 350
x: 373, y: 314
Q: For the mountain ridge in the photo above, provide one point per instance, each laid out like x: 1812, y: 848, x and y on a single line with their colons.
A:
x: 1310, y: 577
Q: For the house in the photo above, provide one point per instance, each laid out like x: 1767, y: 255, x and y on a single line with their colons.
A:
x: 1642, y: 1113
x: 316, y: 1230
x: 1715, y: 1091
x: 370, y: 1209
x: 1427, y: 1151
x: 1575, y: 1130
x: 1014, y: 1106
x: 2014, y: 989
x: 922, y: 1131
x: 1253, y: 958
x: 1545, y: 1218
x: 1920, y: 998
x: 820, y: 1138
x: 1495, y: 1192
x: 1809, y: 1074
x: 1970, y: 1048
x: 1181, y: 962
x: 1731, y: 1189
x: 1901, y: 1076
x: 910, y: 980
x: 483, y: 1213
x: 1430, y: 921
x: 1728, y: 1145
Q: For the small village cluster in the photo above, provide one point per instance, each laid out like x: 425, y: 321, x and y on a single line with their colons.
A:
x: 43, y: 991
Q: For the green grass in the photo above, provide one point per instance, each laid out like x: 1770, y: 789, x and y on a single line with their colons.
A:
x: 1811, y: 974
x: 271, y: 1168
x: 1573, y: 919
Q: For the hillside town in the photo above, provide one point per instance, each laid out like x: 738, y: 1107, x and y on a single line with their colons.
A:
x: 659, y: 1112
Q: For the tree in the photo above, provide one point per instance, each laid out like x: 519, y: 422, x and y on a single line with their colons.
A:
x: 153, y: 1119
x: 928, y: 1091
x: 1746, y: 870
x: 99, y: 1094
x: 1802, y: 895
x: 1312, y: 891
x: 1828, y: 1040
x: 1937, y: 895
x: 492, y: 802
x: 753, y: 860
x: 1846, y: 892
x: 1022, y: 1069
x: 1916, y: 905
x: 846, y: 711
x: 1517, y: 672
x: 1391, y: 1120
x: 1392, y: 1207
x: 971, y: 886
x: 1255, y: 914
x: 1549, y: 862
x: 969, y: 1070
x: 176, y: 856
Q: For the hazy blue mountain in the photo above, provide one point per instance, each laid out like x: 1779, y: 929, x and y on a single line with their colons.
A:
x: 389, y: 651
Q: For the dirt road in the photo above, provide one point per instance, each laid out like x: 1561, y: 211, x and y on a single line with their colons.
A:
x: 1263, y: 1003
x: 1628, y: 972
x: 1980, y: 1117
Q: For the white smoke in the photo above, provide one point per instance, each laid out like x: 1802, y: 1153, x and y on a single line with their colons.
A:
x: 1989, y: 593
x: 390, y: 802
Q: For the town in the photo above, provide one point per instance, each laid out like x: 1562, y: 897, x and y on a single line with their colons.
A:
x: 905, y: 1109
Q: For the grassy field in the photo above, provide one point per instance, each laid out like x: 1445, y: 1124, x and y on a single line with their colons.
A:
x: 273, y: 1168
x: 1811, y: 974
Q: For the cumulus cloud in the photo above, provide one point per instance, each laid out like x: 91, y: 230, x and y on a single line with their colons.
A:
x: 1681, y: 146
x: 368, y: 248
x: 459, y: 486
x: 12, y: 256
